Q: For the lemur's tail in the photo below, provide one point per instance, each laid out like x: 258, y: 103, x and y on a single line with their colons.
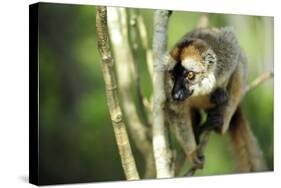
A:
x: 247, y: 153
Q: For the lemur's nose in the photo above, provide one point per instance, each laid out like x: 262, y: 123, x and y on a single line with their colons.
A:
x: 179, y: 96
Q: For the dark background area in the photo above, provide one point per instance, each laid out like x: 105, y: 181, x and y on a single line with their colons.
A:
x: 76, y: 142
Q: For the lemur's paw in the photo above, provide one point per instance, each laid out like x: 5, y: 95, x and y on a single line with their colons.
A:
x: 198, y: 161
x: 219, y: 96
x: 215, y: 120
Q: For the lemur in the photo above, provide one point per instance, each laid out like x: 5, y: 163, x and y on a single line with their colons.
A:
x: 210, y: 74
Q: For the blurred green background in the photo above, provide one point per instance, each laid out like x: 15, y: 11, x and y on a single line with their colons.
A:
x: 77, y: 143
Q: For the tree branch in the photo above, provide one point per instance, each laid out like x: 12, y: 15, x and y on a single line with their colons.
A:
x: 138, y: 26
x: 203, y: 21
x: 258, y: 81
x: 143, y: 102
x: 144, y: 41
x: 161, y: 146
x: 124, y: 60
x: 127, y: 159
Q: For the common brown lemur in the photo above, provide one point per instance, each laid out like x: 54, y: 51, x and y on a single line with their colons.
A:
x: 210, y: 74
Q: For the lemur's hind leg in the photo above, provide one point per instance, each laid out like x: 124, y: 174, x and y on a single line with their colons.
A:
x: 185, y: 124
x: 181, y: 123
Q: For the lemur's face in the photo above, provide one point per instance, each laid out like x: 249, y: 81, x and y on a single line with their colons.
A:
x: 193, y: 73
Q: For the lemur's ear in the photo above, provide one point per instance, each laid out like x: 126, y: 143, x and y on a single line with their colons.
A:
x: 209, y: 56
x: 175, y: 53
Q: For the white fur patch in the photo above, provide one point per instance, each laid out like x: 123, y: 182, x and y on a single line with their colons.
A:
x: 205, y: 86
x: 189, y: 62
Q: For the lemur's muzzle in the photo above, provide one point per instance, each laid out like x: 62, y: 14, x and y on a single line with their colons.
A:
x: 180, y: 94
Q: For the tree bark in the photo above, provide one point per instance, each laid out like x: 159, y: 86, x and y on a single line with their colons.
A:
x: 127, y: 159
x: 161, y: 146
x: 124, y: 61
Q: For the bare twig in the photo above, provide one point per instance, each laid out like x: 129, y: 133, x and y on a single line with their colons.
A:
x: 124, y: 59
x: 206, y: 134
x: 258, y: 81
x: 161, y: 147
x: 127, y: 159
x: 203, y: 21
x: 135, y: 71
x: 148, y: 53
x: 144, y: 40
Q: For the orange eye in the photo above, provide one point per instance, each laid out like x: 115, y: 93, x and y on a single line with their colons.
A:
x: 190, y: 75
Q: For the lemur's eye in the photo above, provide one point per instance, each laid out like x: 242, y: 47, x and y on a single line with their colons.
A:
x: 190, y: 75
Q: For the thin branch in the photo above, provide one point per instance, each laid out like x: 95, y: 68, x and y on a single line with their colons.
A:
x: 127, y: 159
x: 161, y: 145
x: 148, y: 53
x: 124, y: 60
x: 142, y: 30
x: 258, y: 81
x: 135, y: 71
x: 203, y: 21
x: 206, y: 134
x: 144, y: 40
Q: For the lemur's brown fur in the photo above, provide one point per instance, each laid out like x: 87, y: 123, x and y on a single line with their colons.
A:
x: 245, y: 146
x: 215, y: 53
